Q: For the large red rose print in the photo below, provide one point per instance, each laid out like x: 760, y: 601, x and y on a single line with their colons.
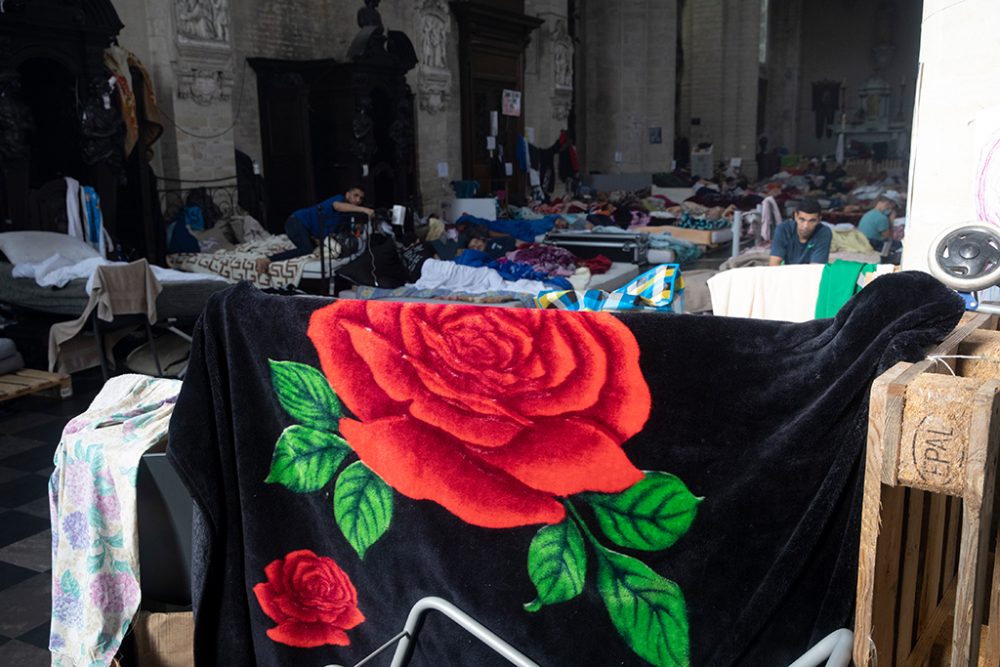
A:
x: 312, y: 600
x: 493, y: 413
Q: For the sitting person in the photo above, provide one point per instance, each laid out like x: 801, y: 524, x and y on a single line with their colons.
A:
x: 308, y: 225
x: 804, y: 240
x: 876, y: 224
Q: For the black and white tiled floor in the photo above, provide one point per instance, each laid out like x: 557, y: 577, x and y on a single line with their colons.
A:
x: 30, y: 428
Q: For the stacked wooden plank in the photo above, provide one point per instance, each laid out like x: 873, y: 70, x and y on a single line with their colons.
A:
x: 27, y: 381
x: 928, y: 520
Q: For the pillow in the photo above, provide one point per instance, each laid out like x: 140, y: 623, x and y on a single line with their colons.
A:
x: 32, y: 247
x: 225, y: 226
x: 212, y: 240
x: 251, y: 230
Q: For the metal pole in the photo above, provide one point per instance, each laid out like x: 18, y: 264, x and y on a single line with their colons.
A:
x: 737, y: 228
x: 405, y: 647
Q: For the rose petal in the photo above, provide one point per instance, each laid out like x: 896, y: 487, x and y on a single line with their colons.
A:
x: 569, y: 343
x: 425, y: 463
x: 345, y: 369
x: 293, y: 608
x: 626, y: 395
x: 267, y: 596
x: 484, y: 422
x: 308, y: 635
x: 564, y: 457
x: 274, y: 573
x: 348, y: 618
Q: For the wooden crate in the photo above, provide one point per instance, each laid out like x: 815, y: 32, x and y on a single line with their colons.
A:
x: 928, y: 514
x: 699, y: 237
x: 27, y: 381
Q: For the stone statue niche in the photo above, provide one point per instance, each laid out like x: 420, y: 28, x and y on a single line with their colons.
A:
x: 876, y: 93
x: 433, y: 41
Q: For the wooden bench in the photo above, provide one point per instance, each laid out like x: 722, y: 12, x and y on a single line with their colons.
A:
x: 928, y: 519
x: 27, y: 381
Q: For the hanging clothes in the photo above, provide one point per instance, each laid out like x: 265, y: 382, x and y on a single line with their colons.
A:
x: 93, y: 220
x: 151, y: 127
x: 116, y: 60
x: 770, y: 218
x: 74, y: 225
x: 569, y: 165
x: 547, y: 163
x: 92, y: 500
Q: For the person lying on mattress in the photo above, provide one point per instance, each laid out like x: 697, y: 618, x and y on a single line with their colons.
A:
x: 803, y: 240
x: 307, y: 225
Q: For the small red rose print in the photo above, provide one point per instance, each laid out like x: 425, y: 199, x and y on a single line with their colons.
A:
x: 312, y: 600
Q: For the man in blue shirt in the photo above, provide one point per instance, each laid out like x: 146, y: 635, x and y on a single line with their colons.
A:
x: 876, y: 224
x: 307, y: 225
x: 804, y: 240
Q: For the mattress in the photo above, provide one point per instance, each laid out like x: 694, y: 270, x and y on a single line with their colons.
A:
x: 661, y: 256
x: 313, y: 269
x: 181, y: 300
x: 619, y: 274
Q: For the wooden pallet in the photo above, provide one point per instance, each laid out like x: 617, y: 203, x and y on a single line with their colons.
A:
x: 27, y: 381
x: 928, y: 513
x: 699, y: 237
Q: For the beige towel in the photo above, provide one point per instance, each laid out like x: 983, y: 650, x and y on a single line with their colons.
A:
x: 119, y: 289
x: 785, y: 293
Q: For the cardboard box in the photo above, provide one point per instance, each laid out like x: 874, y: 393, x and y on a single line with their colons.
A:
x: 165, y: 639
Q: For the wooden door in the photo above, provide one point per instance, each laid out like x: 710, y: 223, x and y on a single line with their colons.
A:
x: 489, y: 166
x: 286, y: 140
x: 492, y: 40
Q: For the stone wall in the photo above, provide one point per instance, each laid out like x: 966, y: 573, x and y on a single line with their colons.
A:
x: 953, y: 175
x: 782, y: 72
x: 208, y: 91
x: 629, y: 64
x: 721, y: 69
x: 827, y: 53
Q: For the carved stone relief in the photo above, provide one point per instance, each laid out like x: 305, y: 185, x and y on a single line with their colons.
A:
x: 434, y: 77
x: 201, y: 21
x: 562, y: 56
x: 561, y: 104
x: 203, y: 86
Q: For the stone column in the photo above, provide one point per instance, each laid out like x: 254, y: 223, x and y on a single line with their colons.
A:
x: 438, y: 102
x: 630, y: 73
x: 783, y: 74
x: 723, y: 50
x: 203, y: 74
x: 549, y: 76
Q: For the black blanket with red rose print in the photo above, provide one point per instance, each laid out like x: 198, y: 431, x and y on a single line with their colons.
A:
x: 596, y: 489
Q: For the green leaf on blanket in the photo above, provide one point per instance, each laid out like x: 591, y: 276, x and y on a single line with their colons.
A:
x: 306, y: 395
x: 362, y: 506
x: 305, y: 459
x: 650, y: 515
x: 648, y: 611
x: 557, y: 564
x: 69, y: 585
